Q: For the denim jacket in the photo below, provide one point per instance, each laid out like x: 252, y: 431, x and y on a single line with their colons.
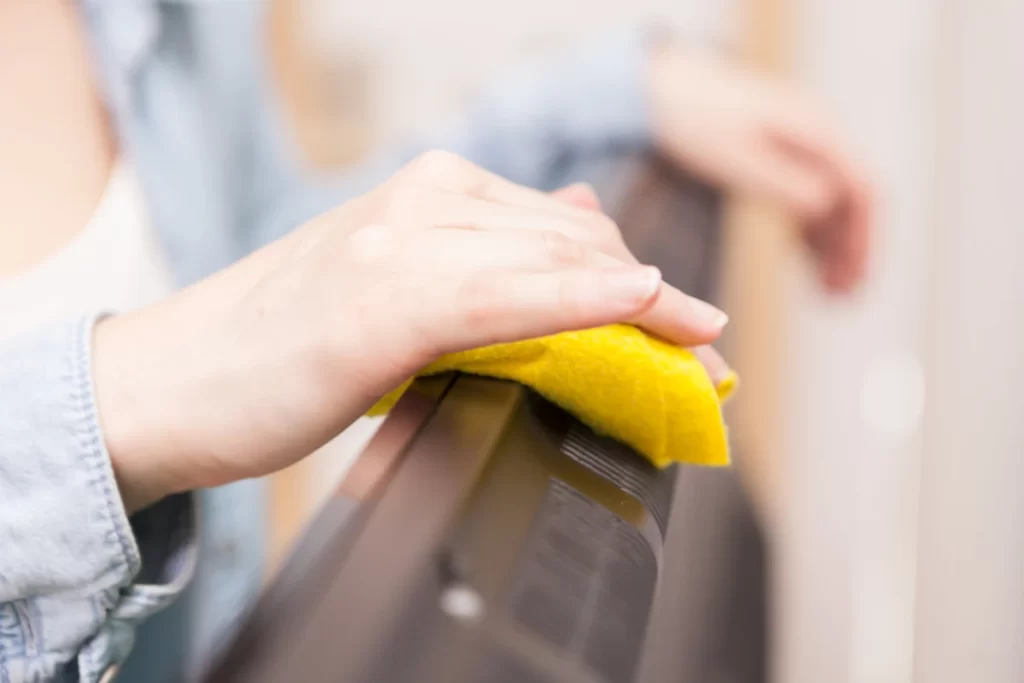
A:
x: 80, y: 581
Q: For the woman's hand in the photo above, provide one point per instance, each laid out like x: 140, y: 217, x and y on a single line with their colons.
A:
x: 583, y: 196
x: 743, y: 131
x: 257, y: 366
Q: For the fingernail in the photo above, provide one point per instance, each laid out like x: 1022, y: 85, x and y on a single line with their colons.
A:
x: 727, y: 386
x: 633, y: 286
x: 708, y: 313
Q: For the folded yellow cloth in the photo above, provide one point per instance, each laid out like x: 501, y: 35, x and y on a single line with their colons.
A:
x: 651, y: 395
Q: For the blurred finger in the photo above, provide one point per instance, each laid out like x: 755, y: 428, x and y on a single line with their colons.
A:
x: 717, y: 368
x: 580, y: 195
x: 839, y: 245
x: 815, y: 139
x: 859, y: 219
x: 803, y: 127
x: 797, y: 184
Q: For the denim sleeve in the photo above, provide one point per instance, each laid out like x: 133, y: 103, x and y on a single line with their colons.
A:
x: 69, y: 558
x: 526, y: 126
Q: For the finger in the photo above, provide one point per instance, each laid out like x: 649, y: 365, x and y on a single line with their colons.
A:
x: 840, y: 247
x: 860, y: 219
x: 482, y: 200
x: 717, y: 368
x: 815, y: 139
x: 448, y: 250
x: 590, y: 227
x: 580, y: 195
x: 673, y: 316
x: 857, y: 217
x: 450, y: 174
x: 682, y: 319
x: 815, y: 135
x: 505, y: 306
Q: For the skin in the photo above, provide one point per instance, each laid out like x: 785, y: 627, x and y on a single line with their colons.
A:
x: 253, y: 368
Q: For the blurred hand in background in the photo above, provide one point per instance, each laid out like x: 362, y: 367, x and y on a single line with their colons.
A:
x: 753, y: 134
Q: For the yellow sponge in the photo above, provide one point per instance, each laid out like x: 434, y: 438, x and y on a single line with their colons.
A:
x: 651, y: 395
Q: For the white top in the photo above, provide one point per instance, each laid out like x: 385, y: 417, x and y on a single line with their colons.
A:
x: 115, y: 263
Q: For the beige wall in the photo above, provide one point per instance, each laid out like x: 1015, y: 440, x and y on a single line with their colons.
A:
x: 970, y: 599
x: 902, y: 546
x: 847, y: 533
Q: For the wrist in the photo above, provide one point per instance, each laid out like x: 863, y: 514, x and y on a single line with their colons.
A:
x: 165, y: 381
x: 221, y: 382
x: 119, y: 377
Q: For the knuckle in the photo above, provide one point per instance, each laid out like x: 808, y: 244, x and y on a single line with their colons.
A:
x: 608, y: 239
x: 617, y: 248
x: 439, y: 167
x: 371, y: 244
x: 423, y: 334
x: 561, y: 250
x: 566, y: 296
x: 403, y: 202
x: 608, y: 230
x: 479, y: 300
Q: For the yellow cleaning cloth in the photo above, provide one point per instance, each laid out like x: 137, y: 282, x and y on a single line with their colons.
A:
x: 648, y: 394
